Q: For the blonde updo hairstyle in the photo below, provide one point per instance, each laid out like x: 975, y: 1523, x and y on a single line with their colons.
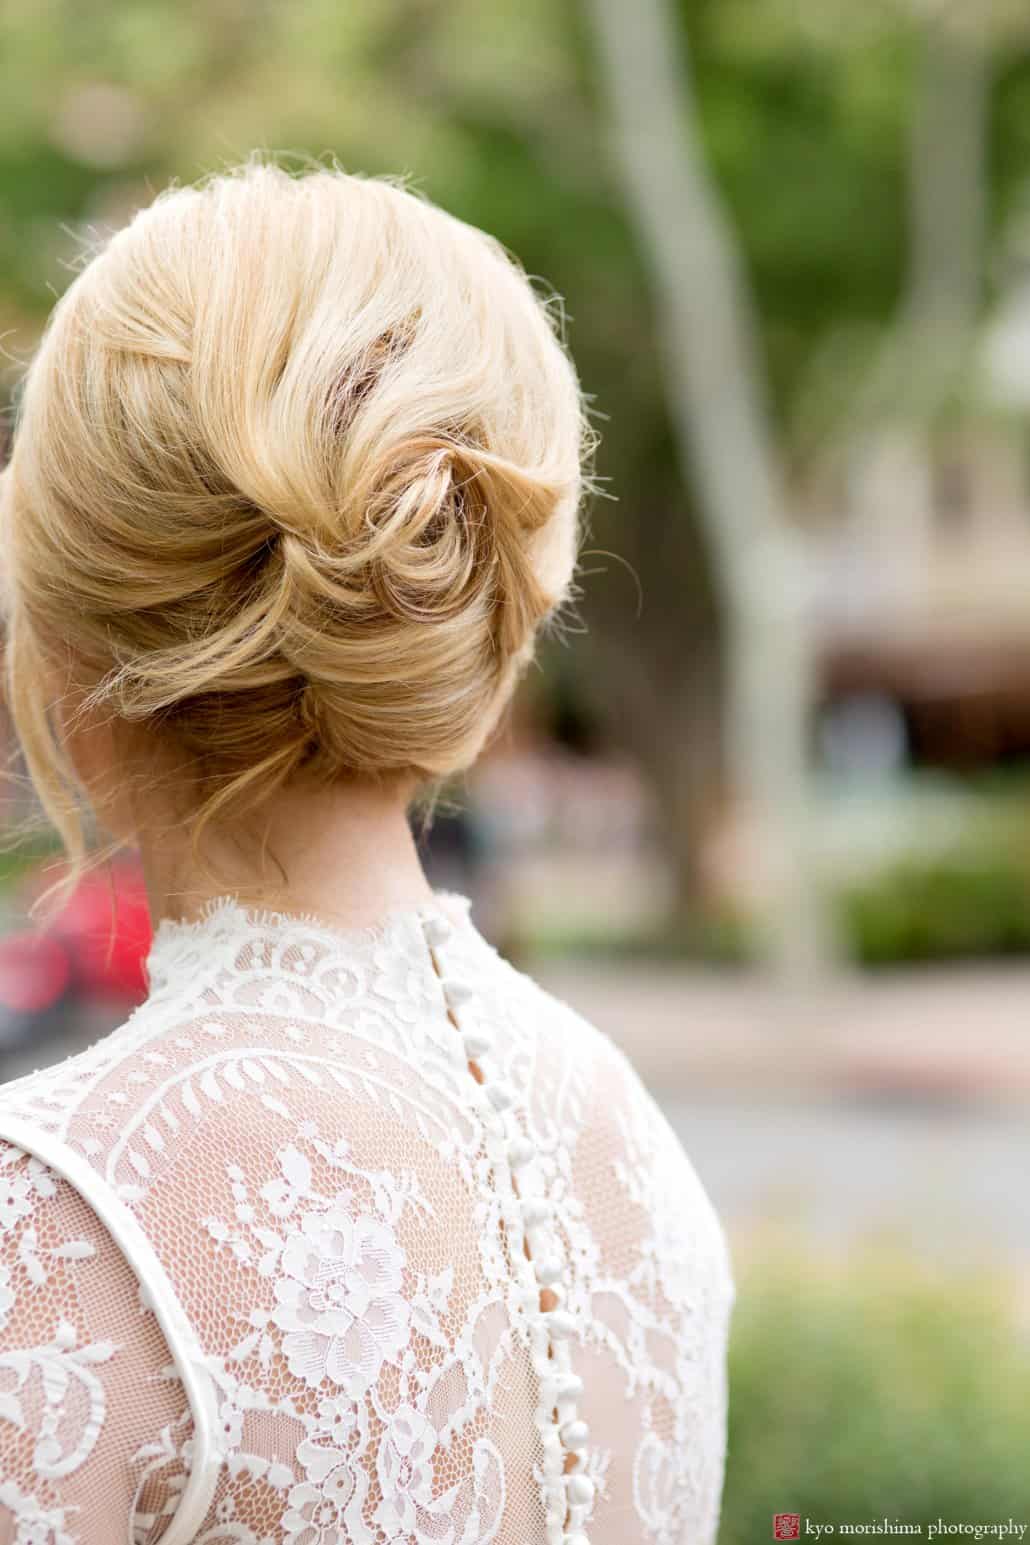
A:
x: 295, y: 480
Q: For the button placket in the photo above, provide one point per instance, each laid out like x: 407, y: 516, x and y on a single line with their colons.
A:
x: 569, y: 1491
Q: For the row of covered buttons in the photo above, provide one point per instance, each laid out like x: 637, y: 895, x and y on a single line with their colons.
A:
x: 560, y: 1386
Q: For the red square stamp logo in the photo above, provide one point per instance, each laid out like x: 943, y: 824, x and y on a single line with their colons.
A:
x: 786, y: 1526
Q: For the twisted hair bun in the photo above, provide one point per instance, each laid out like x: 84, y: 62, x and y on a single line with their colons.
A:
x: 295, y: 480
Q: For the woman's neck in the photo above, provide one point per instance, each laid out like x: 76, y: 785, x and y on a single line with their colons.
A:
x: 344, y: 853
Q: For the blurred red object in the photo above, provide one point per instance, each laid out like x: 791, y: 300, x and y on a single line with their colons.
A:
x: 104, y: 929
x: 34, y: 972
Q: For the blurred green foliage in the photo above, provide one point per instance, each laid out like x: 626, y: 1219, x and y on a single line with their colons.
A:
x: 868, y: 1391
x: 963, y: 907
x: 492, y: 108
x: 948, y: 909
x: 966, y: 900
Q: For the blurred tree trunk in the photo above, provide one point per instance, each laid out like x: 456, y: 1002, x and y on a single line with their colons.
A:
x: 685, y: 761
x: 917, y: 376
x: 716, y: 400
x: 917, y: 379
x: 655, y: 642
x: 661, y: 697
x: 947, y: 182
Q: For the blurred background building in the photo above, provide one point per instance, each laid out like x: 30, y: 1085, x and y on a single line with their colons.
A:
x: 763, y: 812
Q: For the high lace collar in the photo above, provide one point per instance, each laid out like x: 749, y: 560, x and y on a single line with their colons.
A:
x: 226, y: 920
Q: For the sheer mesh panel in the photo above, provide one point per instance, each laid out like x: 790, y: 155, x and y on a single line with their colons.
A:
x: 84, y: 1377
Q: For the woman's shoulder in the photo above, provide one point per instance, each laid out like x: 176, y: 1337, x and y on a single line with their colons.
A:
x: 626, y: 1149
x: 77, y: 1332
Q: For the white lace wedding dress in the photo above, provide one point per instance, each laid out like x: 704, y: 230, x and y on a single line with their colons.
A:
x: 353, y: 1238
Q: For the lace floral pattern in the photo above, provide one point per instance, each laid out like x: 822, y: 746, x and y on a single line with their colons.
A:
x: 338, y: 1300
x: 450, y: 1277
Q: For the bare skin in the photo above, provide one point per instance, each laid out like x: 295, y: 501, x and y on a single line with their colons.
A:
x: 344, y: 853
x: 347, y: 853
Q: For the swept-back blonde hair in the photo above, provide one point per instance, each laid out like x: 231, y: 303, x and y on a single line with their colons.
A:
x: 295, y: 479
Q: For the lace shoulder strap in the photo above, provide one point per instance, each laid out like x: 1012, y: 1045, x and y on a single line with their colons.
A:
x: 183, y: 1345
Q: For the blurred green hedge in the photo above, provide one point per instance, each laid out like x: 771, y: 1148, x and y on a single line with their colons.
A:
x: 868, y: 1392
x: 962, y: 907
x: 951, y: 908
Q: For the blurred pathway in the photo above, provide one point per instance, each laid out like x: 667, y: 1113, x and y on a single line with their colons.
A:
x: 942, y: 1034
x: 950, y: 1186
